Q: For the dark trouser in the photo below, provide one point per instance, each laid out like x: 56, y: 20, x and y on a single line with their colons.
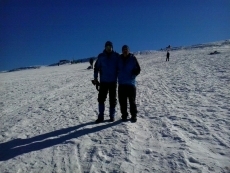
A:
x: 127, y: 92
x: 167, y: 59
x: 103, y: 91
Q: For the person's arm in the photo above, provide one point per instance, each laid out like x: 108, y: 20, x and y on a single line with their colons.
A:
x: 137, y: 69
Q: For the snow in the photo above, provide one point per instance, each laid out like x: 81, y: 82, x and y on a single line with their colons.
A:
x: 47, y: 118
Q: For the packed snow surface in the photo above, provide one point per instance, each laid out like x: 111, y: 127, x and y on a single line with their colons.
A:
x: 47, y: 118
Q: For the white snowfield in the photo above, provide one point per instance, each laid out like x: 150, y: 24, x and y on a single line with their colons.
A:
x: 47, y: 118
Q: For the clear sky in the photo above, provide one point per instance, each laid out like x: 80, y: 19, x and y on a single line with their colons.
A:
x: 42, y: 32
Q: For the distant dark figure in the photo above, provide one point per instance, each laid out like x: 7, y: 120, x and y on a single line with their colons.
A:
x: 91, y: 62
x: 167, y: 56
x: 88, y: 68
x: 215, y: 52
x: 168, y: 47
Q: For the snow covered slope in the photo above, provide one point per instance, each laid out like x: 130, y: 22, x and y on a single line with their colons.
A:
x: 47, y: 118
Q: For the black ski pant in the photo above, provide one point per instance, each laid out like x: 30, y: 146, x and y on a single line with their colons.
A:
x: 127, y: 92
x: 167, y: 59
x: 103, y: 91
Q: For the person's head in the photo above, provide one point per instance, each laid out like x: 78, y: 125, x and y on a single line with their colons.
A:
x: 125, y: 50
x: 108, y: 46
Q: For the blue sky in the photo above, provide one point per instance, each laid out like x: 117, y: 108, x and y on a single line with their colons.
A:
x: 42, y: 32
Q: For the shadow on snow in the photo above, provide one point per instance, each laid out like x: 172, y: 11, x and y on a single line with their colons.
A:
x: 16, y: 147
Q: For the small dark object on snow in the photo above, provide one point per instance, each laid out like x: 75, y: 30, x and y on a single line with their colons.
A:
x: 215, y: 52
x: 90, y: 67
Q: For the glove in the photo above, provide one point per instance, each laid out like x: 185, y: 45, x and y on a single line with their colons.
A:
x: 97, y: 83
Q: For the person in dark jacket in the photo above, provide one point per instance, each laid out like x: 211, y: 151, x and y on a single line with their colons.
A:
x: 106, y: 66
x: 128, y: 69
x: 91, y: 62
x: 167, y: 56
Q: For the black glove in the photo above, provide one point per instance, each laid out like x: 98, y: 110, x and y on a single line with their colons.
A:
x: 97, y: 83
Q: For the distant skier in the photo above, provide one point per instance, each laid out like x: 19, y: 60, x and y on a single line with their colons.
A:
x: 106, y: 66
x: 91, y: 62
x: 167, y: 56
x: 128, y: 69
x: 168, y: 47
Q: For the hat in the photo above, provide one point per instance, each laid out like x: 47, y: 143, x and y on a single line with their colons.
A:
x: 125, y: 47
x: 109, y: 43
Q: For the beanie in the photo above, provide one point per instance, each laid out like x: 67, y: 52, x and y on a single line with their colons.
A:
x: 125, y: 47
x: 109, y: 43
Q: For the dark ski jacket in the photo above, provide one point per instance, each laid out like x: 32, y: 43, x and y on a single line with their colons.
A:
x: 106, y: 65
x: 128, y: 69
